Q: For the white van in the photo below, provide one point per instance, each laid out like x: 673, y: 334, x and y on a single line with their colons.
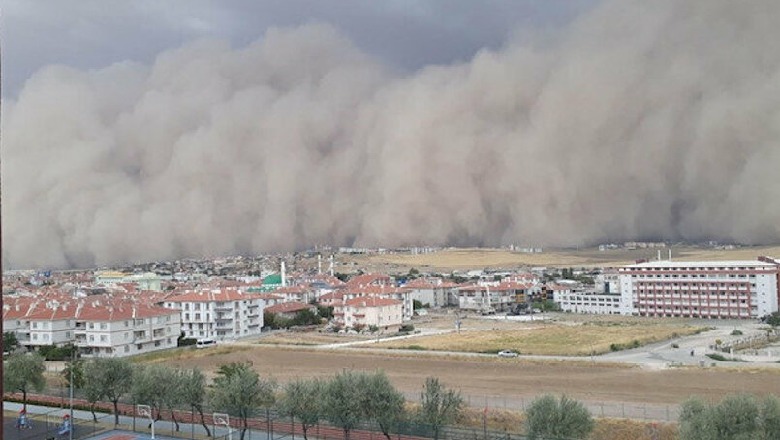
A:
x: 205, y: 343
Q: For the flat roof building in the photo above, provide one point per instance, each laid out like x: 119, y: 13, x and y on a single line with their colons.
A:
x: 699, y: 289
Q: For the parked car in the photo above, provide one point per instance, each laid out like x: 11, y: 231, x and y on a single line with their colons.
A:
x: 507, y: 354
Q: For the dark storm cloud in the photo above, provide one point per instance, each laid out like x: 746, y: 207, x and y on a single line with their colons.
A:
x: 406, y: 34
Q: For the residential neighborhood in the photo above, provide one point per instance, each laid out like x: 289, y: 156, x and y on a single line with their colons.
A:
x: 116, y: 313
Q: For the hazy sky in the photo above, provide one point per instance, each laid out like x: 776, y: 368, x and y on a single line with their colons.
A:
x: 407, y: 34
x: 144, y: 130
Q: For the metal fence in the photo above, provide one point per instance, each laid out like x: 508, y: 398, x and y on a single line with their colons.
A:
x: 617, y: 410
x: 271, y: 425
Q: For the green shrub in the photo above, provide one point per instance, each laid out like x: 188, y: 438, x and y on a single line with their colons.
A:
x: 552, y: 419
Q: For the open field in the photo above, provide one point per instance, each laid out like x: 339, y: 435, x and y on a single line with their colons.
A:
x: 309, y: 338
x: 466, y: 259
x: 508, y: 382
x: 547, y: 339
x: 507, y: 378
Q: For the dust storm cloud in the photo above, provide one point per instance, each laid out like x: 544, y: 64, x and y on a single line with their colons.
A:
x: 655, y: 120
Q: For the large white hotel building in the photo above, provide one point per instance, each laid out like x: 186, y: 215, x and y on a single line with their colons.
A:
x: 718, y: 289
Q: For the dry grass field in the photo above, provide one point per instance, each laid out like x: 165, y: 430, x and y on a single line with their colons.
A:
x: 309, y: 338
x: 547, y: 339
x: 465, y: 259
x: 511, y: 379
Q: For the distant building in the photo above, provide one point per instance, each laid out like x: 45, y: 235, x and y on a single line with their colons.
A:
x: 714, y: 289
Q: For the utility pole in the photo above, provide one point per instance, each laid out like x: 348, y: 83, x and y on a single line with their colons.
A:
x: 72, y: 365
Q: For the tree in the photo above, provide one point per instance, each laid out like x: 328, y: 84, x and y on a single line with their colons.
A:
x: 305, y: 317
x: 158, y: 386
x: 559, y: 419
x: 23, y: 372
x: 325, y: 311
x: 735, y: 417
x: 112, y: 377
x: 193, y: 393
x: 693, y: 421
x: 77, y: 365
x: 770, y: 418
x: 10, y: 342
x: 773, y: 319
x: 239, y: 391
x: 302, y: 399
x: 438, y: 405
x: 93, y: 392
x: 342, y: 401
x: 382, y: 403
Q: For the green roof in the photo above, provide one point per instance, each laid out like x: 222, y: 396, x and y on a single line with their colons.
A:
x: 274, y: 279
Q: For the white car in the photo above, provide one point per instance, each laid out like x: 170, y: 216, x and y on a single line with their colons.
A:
x: 507, y: 354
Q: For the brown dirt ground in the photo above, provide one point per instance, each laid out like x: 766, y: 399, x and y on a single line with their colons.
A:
x: 510, y: 378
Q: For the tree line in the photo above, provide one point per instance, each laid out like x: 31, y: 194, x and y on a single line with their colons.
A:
x: 345, y: 400
x: 350, y: 398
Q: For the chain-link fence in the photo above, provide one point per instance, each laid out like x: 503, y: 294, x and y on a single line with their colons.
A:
x: 617, y: 410
x: 268, y: 424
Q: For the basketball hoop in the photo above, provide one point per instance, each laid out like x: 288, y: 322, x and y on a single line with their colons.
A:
x: 145, y: 411
x: 224, y: 420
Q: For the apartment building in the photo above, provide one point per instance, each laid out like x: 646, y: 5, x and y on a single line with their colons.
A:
x: 51, y: 324
x: 368, y: 311
x: 125, y: 329
x: 219, y: 313
x: 714, y: 289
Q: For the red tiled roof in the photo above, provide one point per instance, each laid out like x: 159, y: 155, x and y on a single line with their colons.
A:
x: 367, y: 279
x: 213, y: 296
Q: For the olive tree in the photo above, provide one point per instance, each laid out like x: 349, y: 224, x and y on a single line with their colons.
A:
x: 343, y: 401
x: 158, y: 386
x: 559, y: 419
x: 736, y: 417
x: 382, y: 403
x: 439, y: 406
x: 112, y: 378
x: 23, y: 372
x: 241, y: 392
x: 193, y: 393
x: 770, y: 418
x: 302, y: 399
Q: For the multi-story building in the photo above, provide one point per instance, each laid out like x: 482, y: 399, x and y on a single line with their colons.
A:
x: 589, y: 302
x: 368, y: 311
x: 219, y: 313
x: 715, y: 289
x: 52, y: 324
x: 125, y: 329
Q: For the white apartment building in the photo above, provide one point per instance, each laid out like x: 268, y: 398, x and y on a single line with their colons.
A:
x: 101, y: 328
x: 125, y: 329
x: 715, y: 289
x: 367, y: 311
x: 219, y: 313
x: 52, y: 324
x: 402, y: 295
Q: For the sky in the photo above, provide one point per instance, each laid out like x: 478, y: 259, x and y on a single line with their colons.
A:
x: 148, y: 130
x: 406, y: 34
